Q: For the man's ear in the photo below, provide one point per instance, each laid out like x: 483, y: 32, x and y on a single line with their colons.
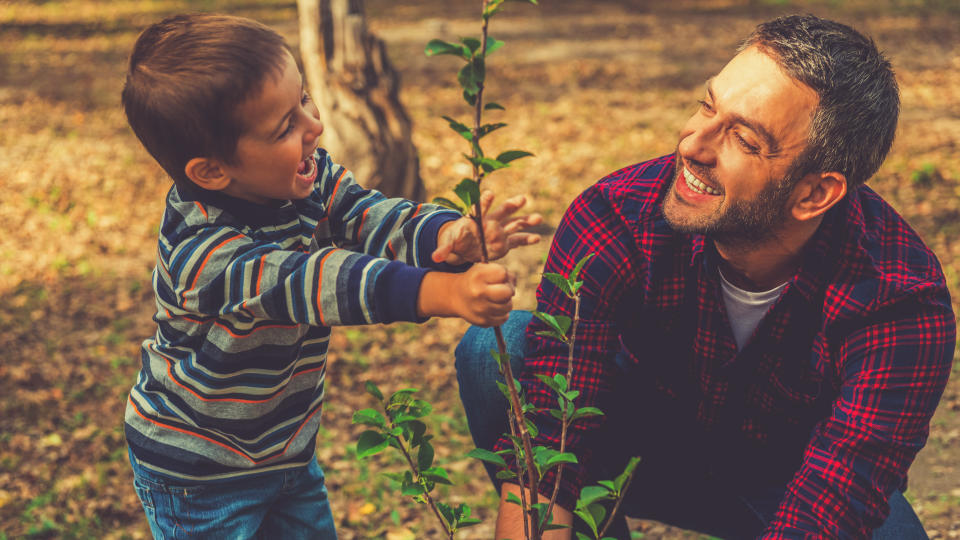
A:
x: 207, y: 173
x: 816, y: 193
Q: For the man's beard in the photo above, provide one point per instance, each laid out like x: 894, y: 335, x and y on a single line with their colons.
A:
x: 742, y: 222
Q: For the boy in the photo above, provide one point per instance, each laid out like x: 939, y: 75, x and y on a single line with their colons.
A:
x: 265, y: 244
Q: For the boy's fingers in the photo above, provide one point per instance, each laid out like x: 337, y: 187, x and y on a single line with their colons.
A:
x: 521, y: 223
x: 509, y: 207
x: 500, y: 294
x: 522, y: 239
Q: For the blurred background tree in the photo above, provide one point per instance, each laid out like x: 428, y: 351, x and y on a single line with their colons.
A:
x: 356, y: 89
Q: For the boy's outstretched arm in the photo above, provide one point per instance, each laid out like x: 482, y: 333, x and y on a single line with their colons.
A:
x: 458, y: 241
x: 483, y: 295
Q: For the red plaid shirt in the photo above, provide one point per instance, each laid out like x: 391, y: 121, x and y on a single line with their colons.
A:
x: 833, y: 393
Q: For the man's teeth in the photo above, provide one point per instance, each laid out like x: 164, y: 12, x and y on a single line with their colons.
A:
x: 696, y: 185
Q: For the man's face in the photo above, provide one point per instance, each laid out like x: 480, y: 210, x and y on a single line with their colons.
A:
x: 733, y: 179
x: 282, y: 128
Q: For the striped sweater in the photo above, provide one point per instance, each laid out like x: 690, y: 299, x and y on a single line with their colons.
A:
x: 232, y: 381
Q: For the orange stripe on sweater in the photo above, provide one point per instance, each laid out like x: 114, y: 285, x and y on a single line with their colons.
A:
x: 186, y: 432
x: 183, y: 295
x: 319, y: 286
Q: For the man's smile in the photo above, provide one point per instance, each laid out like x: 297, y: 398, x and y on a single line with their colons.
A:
x: 696, y: 185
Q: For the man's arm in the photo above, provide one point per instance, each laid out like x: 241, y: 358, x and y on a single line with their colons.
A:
x: 895, y: 370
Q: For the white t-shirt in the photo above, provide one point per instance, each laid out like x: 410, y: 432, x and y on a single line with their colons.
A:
x: 745, y: 309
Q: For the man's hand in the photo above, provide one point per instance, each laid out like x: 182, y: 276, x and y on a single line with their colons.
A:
x: 483, y: 295
x: 459, y: 241
x: 510, y: 518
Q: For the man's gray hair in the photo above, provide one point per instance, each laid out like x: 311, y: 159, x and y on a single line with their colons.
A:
x: 854, y: 124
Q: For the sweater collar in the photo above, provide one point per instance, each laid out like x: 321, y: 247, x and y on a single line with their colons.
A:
x: 243, y: 211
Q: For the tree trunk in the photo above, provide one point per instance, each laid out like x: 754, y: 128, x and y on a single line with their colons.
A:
x: 366, y: 129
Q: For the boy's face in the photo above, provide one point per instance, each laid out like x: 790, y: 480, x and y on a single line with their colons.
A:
x: 281, y: 128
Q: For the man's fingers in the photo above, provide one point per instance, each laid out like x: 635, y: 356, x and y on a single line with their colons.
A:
x: 486, y: 201
x: 522, y: 239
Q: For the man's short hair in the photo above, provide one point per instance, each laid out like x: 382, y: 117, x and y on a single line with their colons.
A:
x: 187, y: 76
x: 854, y: 124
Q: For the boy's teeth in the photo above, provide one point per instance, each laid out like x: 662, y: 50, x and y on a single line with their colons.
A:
x: 696, y: 185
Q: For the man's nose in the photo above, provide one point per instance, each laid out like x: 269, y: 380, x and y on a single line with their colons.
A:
x: 700, y: 140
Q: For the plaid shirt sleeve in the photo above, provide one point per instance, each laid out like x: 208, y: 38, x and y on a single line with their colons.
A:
x: 590, y: 225
x: 894, y: 371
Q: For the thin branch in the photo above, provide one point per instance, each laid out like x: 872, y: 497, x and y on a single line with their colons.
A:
x: 426, y: 494
x: 565, y: 423
x: 616, y: 507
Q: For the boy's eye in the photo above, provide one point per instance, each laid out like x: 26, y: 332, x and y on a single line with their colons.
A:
x: 288, y: 130
x: 305, y: 99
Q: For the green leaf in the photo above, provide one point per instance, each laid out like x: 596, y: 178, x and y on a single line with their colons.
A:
x: 436, y: 474
x: 470, y: 77
x: 493, y: 45
x: 550, y: 321
x: 473, y: 44
x: 490, y: 128
x: 441, y: 201
x: 513, y: 499
x: 586, y: 412
x: 425, y: 456
x: 412, y: 489
x: 592, y: 494
x: 575, y: 273
x: 413, y: 431
x: 589, y: 519
x: 581, y: 536
x: 565, y: 457
x: 468, y: 522
x: 492, y: 8
x: 369, y: 417
x: 561, y: 282
x: 493, y: 106
x: 401, y: 398
x: 437, y: 47
x: 370, y: 443
x: 468, y: 191
x: 505, y: 474
x: 446, y: 511
x: 552, y: 382
x: 459, y: 127
x: 620, y: 480
x: 373, y: 390
x: 488, y: 456
x: 607, y: 484
x: 512, y: 155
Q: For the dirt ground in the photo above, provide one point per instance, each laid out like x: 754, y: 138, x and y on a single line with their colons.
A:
x: 588, y: 87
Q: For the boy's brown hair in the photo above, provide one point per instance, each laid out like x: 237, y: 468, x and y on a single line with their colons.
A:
x: 186, y: 78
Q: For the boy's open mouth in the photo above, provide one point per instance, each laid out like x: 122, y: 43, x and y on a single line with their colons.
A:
x: 307, y: 170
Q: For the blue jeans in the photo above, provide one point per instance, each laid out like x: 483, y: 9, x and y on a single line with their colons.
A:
x: 663, y: 489
x: 290, y: 504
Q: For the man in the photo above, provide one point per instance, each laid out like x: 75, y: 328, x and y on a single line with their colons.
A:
x: 760, y: 327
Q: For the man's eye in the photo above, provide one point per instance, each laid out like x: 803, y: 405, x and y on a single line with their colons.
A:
x: 746, y: 146
x: 704, y: 105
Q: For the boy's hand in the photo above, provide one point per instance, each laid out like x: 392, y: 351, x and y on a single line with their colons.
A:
x: 459, y: 242
x: 483, y: 295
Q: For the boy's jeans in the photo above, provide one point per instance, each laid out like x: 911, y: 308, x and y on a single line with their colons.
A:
x: 290, y: 504
x: 660, y: 491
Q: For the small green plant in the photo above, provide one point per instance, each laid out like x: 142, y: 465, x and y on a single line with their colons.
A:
x: 926, y: 175
x: 401, y: 427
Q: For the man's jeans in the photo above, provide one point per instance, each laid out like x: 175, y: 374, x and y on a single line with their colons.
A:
x: 661, y: 490
x: 289, y: 504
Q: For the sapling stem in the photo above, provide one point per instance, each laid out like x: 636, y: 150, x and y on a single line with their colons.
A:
x: 565, y: 423
x: 616, y: 505
x: 426, y: 494
x: 518, y: 418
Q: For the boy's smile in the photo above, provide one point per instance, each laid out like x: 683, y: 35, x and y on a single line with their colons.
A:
x: 274, y: 158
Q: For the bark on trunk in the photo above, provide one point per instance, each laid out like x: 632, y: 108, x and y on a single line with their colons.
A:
x: 366, y: 129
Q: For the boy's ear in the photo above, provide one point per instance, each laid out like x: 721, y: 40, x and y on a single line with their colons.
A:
x: 816, y: 193
x: 207, y: 173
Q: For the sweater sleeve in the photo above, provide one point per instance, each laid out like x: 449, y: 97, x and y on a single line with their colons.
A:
x: 366, y: 221
x: 217, y: 272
